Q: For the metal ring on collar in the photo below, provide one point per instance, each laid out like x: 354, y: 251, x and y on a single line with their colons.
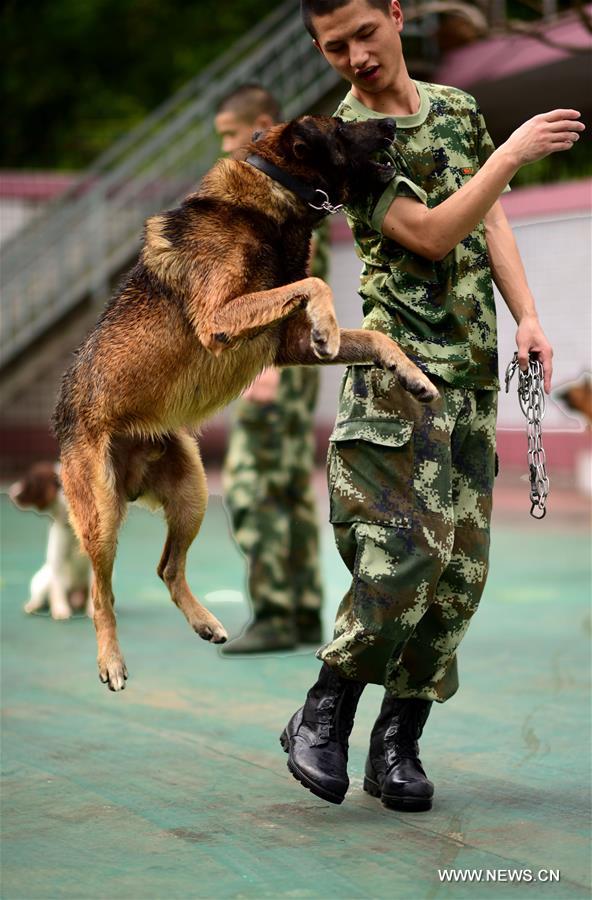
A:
x: 326, y: 205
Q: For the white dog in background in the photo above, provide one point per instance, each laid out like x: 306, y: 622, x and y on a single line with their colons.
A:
x: 64, y: 582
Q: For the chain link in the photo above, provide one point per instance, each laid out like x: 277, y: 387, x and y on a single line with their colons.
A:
x: 531, y: 397
x: 326, y: 204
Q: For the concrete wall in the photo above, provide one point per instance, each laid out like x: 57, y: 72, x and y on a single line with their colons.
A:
x: 14, y: 215
x: 25, y: 194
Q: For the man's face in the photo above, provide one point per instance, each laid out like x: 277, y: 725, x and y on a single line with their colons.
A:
x: 233, y: 131
x: 363, y: 44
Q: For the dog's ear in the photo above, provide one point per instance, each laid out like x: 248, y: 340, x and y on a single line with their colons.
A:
x: 303, y: 136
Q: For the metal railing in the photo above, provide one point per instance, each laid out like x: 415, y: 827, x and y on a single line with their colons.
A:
x: 84, y: 239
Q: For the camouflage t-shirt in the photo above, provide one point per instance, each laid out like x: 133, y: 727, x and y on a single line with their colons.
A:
x: 442, y: 313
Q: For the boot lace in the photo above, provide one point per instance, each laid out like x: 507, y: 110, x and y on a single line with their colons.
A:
x: 400, y: 738
x: 326, y: 718
x: 335, y: 716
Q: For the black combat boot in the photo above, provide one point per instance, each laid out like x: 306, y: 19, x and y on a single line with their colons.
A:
x: 393, y: 768
x: 266, y: 634
x: 316, y: 737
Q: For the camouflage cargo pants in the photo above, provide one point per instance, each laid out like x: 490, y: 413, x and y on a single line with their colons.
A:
x: 268, y: 492
x: 410, y: 493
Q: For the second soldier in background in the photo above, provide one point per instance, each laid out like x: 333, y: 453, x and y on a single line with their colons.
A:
x: 269, y: 463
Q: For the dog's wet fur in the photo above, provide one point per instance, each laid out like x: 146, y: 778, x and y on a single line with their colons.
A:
x: 220, y: 291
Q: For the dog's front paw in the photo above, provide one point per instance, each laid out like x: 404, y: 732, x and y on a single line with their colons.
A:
x: 33, y: 606
x: 113, y: 671
x: 60, y: 611
x: 409, y: 375
x: 418, y: 384
x: 325, y: 339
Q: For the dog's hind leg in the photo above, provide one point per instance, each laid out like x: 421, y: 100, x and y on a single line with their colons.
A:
x: 178, y: 481
x: 96, y: 511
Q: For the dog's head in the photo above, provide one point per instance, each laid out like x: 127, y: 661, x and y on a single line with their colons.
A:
x: 37, y: 489
x: 342, y: 158
x: 577, y: 396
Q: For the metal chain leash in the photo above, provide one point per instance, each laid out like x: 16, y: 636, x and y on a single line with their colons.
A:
x: 532, y: 403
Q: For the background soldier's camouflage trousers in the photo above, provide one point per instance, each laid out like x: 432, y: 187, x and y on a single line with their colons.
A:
x: 410, y: 490
x: 267, y: 489
x: 269, y: 496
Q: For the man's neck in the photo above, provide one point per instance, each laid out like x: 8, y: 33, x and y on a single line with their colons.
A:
x: 398, y: 99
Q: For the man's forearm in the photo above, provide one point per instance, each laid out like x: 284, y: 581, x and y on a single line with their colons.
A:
x: 506, y: 265
x: 435, y: 232
x: 510, y: 279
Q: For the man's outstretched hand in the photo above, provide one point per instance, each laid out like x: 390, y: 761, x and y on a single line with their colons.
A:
x: 546, y: 133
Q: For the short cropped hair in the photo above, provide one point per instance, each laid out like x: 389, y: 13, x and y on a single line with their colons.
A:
x: 310, y: 8
x: 249, y: 101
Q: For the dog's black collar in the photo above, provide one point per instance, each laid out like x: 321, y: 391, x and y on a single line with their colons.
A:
x: 315, y: 197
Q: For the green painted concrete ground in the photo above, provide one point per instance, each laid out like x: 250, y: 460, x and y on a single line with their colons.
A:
x: 177, y: 788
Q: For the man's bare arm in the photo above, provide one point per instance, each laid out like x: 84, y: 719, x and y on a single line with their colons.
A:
x: 510, y: 279
x: 265, y: 387
x: 433, y: 233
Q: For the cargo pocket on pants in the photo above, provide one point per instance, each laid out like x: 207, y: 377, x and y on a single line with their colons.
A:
x: 371, y: 472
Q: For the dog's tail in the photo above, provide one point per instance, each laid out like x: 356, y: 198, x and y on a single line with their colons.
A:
x: 63, y: 419
x: 95, y: 499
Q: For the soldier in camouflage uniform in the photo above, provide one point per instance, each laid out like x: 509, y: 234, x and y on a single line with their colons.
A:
x: 411, y: 485
x: 269, y: 462
x: 425, y: 474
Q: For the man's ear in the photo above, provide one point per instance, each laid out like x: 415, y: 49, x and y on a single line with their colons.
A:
x: 397, y: 14
x: 263, y: 122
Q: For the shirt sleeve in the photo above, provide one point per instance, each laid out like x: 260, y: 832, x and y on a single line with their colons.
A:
x: 400, y: 186
x: 372, y: 210
x: 485, y: 146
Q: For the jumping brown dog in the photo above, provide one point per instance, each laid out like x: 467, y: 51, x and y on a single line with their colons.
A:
x: 219, y: 293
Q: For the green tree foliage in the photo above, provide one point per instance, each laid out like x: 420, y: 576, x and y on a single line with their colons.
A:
x: 79, y: 73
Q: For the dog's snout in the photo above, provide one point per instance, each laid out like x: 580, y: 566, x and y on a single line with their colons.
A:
x: 389, y: 128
